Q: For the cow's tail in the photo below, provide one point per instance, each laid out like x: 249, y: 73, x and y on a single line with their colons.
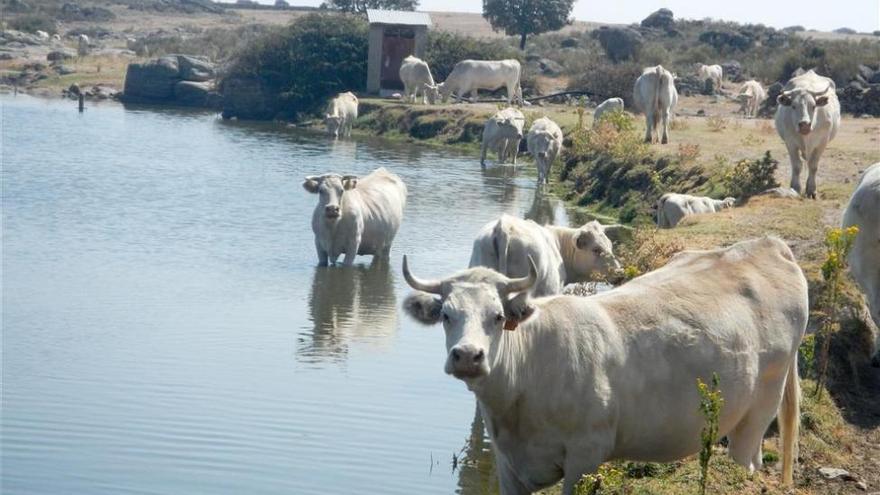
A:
x: 502, y: 244
x: 789, y: 421
x: 655, y: 102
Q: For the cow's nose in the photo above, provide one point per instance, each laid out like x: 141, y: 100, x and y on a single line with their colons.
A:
x: 466, y: 359
x: 332, y: 210
x: 804, y: 127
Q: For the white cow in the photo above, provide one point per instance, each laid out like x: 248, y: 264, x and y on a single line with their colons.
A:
x: 750, y: 97
x: 502, y: 133
x: 562, y: 255
x: 863, y: 211
x: 544, y: 143
x: 416, y: 77
x: 673, y: 207
x: 583, y: 380
x: 468, y: 76
x: 607, y: 106
x: 713, y: 72
x: 82, y: 45
x: 807, y: 119
x: 341, y: 114
x: 356, y: 216
x: 43, y: 35
x: 655, y: 95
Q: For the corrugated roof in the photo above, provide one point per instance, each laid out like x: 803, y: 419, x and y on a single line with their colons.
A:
x: 399, y: 17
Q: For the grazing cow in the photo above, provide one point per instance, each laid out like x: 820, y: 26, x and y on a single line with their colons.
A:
x: 82, y: 45
x: 713, y: 72
x: 607, y: 106
x: 807, y: 119
x: 673, y: 207
x: 863, y: 211
x: 503, y: 132
x: 341, y: 114
x: 562, y: 255
x: 468, y: 76
x: 655, y: 95
x: 544, y: 143
x: 355, y: 216
x: 577, y: 381
x: 43, y: 35
x: 750, y: 97
x: 416, y: 77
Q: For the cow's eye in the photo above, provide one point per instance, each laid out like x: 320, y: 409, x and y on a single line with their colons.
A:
x: 499, y: 317
x: 597, y: 251
x: 445, y: 317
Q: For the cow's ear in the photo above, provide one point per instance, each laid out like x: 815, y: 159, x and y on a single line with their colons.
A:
x: 311, y: 185
x: 517, y: 310
x: 583, y: 240
x: 349, y: 182
x: 423, y: 307
x: 783, y: 99
x: 821, y: 101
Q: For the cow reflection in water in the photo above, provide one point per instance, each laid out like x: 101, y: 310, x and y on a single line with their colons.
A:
x: 349, y: 305
x: 499, y: 183
x: 547, y: 210
x: 474, y: 463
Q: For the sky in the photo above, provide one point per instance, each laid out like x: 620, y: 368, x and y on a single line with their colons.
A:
x: 861, y: 15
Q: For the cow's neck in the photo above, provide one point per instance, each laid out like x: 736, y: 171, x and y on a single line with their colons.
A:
x: 565, y: 243
x: 500, y: 390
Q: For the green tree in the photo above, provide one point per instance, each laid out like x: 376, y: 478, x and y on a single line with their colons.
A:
x: 361, y: 6
x: 525, y: 17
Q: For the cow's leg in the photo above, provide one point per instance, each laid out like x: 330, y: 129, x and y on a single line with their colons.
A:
x: 474, y: 95
x: 794, y: 156
x: 507, y: 480
x: 484, y: 147
x: 515, y: 150
x: 664, y: 121
x: 322, y: 254
x: 812, y: 168
x: 649, y: 123
x: 351, y: 250
x: 746, y: 438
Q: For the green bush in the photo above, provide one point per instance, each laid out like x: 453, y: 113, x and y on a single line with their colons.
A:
x: 606, y: 80
x: 750, y: 177
x: 31, y: 23
x: 445, y: 49
x: 300, y: 66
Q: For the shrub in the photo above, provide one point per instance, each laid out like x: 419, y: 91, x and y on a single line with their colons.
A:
x: 605, y: 80
x: 845, y: 30
x: 710, y: 406
x: 646, y: 252
x: 445, y: 49
x: 750, y: 177
x: 688, y: 153
x: 716, y: 123
x: 217, y: 44
x: 31, y: 23
x: 299, y: 66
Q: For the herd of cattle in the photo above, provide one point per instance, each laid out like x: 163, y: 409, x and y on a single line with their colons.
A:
x: 563, y: 382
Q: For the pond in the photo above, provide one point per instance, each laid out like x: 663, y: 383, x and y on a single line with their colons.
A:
x: 166, y: 328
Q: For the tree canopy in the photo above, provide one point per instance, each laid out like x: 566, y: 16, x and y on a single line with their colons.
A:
x: 361, y: 6
x: 525, y: 17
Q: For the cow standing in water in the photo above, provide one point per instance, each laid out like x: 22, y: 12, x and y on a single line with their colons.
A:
x: 503, y: 133
x: 544, y: 143
x: 355, y: 216
x: 341, y: 114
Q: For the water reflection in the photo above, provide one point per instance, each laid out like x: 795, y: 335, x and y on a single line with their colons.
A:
x: 475, y: 465
x: 500, y: 183
x: 547, y: 210
x: 347, y: 304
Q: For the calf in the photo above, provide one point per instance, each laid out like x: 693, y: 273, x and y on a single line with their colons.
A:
x: 673, y: 207
x: 607, y: 106
x: 341, y: 114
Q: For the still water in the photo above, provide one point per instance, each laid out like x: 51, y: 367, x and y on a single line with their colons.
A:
x: 165, y: 328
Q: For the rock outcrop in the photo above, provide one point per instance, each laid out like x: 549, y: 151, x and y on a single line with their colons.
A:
x: 172, y: 80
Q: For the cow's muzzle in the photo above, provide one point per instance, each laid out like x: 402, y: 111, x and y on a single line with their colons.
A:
x: 466, y: 361
x: 804, y: 128
x: 331, y: 211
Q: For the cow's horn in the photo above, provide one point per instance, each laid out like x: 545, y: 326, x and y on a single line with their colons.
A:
x: 820, y: 93
x: 520, y: 284
x: 429, y: 286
